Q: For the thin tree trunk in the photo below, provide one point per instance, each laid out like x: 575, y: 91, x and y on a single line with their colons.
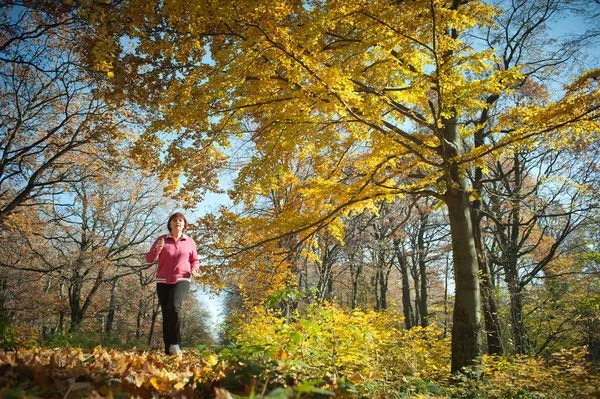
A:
x: 493, y: 326
x: 446, y: 278
x: 75, y: 302
x: 383, y: 287
x: 110, y: 317
x: 61, y: 321
x: 423, y: 309
x: 407, y: 308
x: 140, y: 316
x: 417, y: 287
x: 155, y: 312
x: 355, y: 275
x: 516, y: 315
x: 376, y: 289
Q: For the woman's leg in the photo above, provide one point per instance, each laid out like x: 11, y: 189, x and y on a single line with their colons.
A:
x: 178, y: 294
x: 164, y: 295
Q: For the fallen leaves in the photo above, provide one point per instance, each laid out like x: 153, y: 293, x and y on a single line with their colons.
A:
x: 71, y: 372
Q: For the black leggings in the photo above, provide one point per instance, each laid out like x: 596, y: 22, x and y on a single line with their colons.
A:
x: 170, y: 297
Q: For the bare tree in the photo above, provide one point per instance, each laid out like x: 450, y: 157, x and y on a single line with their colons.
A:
x: 51, y: 116
x: 540, y: 201
x: 95, y: 235
x: 525, y: 39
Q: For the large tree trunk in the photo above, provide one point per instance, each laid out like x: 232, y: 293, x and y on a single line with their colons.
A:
x: 466, y: 327
x: 466, y: 319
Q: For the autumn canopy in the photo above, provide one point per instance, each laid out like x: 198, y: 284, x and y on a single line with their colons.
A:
x: 327, y: 108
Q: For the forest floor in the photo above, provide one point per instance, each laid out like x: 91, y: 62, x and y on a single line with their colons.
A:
x: 112, y: 373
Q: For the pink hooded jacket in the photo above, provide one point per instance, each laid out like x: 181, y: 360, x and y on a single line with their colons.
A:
x: 176, y: 261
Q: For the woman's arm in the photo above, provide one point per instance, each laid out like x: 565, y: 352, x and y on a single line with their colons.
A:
x: 158, y: 245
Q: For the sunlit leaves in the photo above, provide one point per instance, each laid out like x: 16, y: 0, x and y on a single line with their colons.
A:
x: 325, y: 109
x: 365, y: 343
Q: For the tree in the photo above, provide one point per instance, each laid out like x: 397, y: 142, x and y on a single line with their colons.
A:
x: 52, y: 115
x: 93, y: 236
x: 195, y: 323
x: 520, y: 41
x: 416, y: 247
x: 541, y: 200
x: 375, y: 95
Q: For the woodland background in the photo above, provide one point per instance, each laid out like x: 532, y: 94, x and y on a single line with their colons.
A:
x: 334, y: 248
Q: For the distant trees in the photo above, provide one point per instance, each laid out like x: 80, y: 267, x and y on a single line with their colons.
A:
x: 196, y: 323
x: 76, y: 212
x: 84, y: 255
x: 98, y: 234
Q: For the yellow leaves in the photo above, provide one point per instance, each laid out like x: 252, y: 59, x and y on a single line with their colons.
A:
x: 367, y: 344
x: 301, y: 77
x: 508, y: 375
x: 212, y: 361
x: 467, y: 16
x: 357, y: 378
x: 366, y: 347
x: 588, y: 80
x: 564, y: 123
x: 336, y: 228
x: 172, y: 185
x: 316, y: 92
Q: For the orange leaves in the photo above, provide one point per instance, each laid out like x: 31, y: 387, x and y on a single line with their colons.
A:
x: 107, y: 372
x: 374, y: 358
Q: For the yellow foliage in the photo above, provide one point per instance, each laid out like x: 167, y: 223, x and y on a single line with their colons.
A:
x: 275, y: 357
x: 350, y: 343
x: 324, y: 111
x: 565, y: 374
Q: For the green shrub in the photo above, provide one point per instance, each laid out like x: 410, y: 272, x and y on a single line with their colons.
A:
x: 14, y: 336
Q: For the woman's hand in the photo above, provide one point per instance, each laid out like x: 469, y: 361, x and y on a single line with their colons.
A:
x: 160, y: 245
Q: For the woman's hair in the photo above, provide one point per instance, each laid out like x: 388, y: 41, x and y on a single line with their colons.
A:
x: 176, y: 215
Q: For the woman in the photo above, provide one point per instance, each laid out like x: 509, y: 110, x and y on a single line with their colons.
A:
x: 177, y: 264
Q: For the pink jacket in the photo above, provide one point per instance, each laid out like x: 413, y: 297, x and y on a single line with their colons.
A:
x: 176, y: 261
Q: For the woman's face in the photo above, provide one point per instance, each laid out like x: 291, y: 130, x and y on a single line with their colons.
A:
x: 178, y: 223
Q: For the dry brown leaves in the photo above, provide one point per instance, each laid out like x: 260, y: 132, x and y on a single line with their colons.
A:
x: 72, y: 372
